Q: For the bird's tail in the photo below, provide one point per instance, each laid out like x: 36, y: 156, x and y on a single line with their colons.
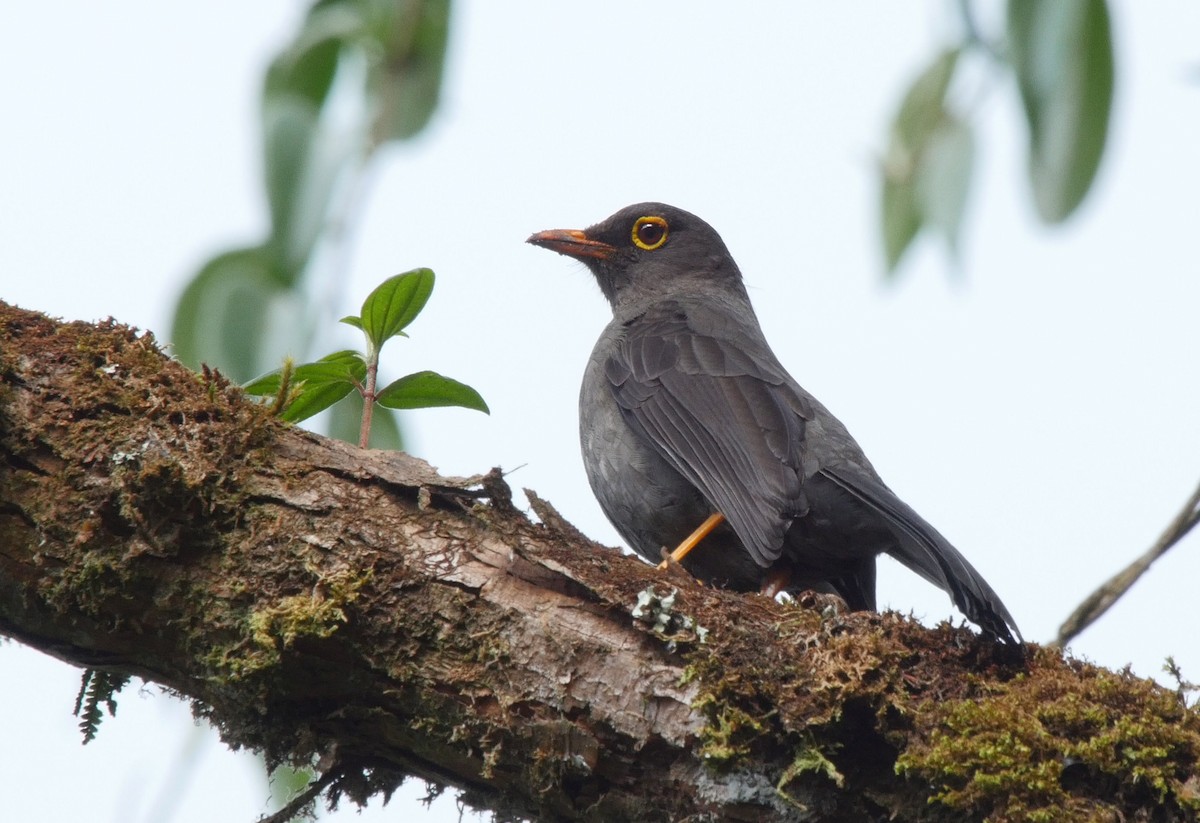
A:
x: 920, y: 547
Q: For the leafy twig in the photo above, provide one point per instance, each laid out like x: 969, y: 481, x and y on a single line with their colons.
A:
x: 302, y: 391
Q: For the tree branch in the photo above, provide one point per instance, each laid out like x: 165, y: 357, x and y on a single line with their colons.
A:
x: 1102, y: 599
x: 353, y: 609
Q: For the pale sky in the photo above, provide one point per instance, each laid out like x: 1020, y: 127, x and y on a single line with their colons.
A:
x: 1038, y: 404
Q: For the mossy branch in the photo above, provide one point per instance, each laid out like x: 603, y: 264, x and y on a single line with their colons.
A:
x: 355, y: 610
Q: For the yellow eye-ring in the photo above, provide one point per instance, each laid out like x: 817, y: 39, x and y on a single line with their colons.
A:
x: 649, y: 232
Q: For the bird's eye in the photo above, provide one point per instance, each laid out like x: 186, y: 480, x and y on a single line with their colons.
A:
x: 649, y: 232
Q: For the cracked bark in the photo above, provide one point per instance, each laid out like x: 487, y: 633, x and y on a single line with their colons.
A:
x: 317, y: 601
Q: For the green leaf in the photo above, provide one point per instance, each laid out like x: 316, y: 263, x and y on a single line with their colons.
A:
x: 944, y: 178
x: 290, y: 126
x: 341, y: 365
x: 394, y: 304
x: 408, y: 43
x: 222, y: 317
x: 352, y: 320
x: 305, y: 156
x: 306, y: 67
x: 916, y: 126
x: 264, y: 385
x: 924, y: 103
x: 1062, y: 55
x: 319, y: 384
x: 901, y: 218
x: 427, y: 389
x: 315, y: 398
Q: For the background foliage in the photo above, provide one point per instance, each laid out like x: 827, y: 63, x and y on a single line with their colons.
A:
x: 358, y: 75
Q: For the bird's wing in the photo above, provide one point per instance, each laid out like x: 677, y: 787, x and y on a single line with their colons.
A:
x: 923, y: 549
x: 719, y: 408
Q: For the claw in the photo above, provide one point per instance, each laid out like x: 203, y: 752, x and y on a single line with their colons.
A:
x: 674, y: 569
x: 693, y: 539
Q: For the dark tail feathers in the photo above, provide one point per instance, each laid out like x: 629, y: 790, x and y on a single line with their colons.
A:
x: 921, y: 548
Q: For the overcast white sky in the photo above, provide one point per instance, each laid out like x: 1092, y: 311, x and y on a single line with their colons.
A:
x: 1039, y: 406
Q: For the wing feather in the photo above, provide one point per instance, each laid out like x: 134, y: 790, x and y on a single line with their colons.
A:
x: 723, y: 418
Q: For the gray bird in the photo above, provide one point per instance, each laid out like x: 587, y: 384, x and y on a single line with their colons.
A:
x: 686, y: 413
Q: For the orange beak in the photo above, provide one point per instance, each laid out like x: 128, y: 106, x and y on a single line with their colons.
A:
x: 573, y: 243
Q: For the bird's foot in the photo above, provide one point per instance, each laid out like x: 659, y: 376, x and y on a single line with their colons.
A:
x: 673, y: 568
x: 776, y: 581
x: 827, y: 603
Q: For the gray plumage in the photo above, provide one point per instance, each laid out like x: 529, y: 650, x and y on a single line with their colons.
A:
x: 685, y: 411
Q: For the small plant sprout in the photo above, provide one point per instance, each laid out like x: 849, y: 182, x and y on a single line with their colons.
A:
x: 302, y: 391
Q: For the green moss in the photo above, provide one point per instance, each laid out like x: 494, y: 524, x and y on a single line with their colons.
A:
x: 230, y: 663
x: 91, y: 585
x: 316, y: 614
x: 1005, y: 755
x: 790, y: 702
x: 729, y: 733
x: 273, y: 627
x: 809, y: 759
x: 968, y: 734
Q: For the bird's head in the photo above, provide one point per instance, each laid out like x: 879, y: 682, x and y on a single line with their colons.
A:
x: 647, y: 250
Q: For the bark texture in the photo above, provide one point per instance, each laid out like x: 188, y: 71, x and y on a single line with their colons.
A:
x: 320, y: 602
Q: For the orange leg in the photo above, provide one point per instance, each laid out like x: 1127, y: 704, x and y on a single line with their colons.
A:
x: 693, y: 539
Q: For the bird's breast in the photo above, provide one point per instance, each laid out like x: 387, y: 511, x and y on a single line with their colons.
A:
x: 646, y: 499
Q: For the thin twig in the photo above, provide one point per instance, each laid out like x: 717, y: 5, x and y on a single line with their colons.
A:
x: 1099, y: 601
x: 298, y: 803
x: 368, y: 396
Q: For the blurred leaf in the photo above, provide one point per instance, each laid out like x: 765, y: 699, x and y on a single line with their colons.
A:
x: 408, y: 40
x: 304, y: 154
x: 944, y: 178
x: 1062, y: 55
x: 426, y: 389
x: 305, y: 70
x: 904, y: 197
x: 345, y: 421
x: 394, y: 304
x: 306, y: 67
x: 901, y: 218
x: 289, y: 132
x: 383, y: 60
x: 221, y: 316
x: 925, y: 103
x: 352, y: 320
x: 319, y: 384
